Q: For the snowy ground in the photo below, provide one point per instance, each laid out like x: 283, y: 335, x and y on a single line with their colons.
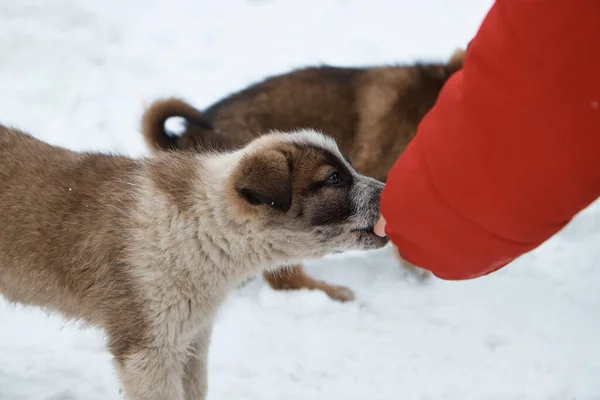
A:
x: 75, y: 73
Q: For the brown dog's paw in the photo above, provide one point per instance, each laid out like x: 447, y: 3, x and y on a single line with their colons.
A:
x: 338, y: 293
x: 419, y: 273
x: 294, y: 278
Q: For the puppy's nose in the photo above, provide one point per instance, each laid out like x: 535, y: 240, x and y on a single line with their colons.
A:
x: 376, y: 197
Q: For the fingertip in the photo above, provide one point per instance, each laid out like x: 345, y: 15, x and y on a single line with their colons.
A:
x: 379, y: 229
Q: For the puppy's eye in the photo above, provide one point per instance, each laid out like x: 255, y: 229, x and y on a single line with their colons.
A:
x: 333, y: 179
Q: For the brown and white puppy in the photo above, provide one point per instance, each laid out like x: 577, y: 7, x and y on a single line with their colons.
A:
x: 372, y: 113
x: 147, y: 249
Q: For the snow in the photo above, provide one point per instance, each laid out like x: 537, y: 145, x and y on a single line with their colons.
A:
x: 75, y: 73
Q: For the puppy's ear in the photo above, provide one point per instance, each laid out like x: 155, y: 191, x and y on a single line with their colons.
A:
x: 266, y: 178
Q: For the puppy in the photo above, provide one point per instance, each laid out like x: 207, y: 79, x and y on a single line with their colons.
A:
x: 372, y: 113
x: 147, y: 249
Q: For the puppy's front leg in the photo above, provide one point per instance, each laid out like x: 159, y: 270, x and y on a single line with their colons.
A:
x: 195, y: 374
x: 152, y: 374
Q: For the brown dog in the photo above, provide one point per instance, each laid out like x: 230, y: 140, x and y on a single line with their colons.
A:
x: 147, y: 249
x: 372, y: 113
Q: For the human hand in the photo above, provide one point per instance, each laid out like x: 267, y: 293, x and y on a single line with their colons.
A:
x: 379, y: 229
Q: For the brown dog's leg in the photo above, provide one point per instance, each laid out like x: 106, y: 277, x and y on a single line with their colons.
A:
x: 294, y: 278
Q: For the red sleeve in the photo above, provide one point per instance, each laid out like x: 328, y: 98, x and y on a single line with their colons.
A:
x: 511, y: 150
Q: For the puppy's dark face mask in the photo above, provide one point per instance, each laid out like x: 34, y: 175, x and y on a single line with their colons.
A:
x: 303, y: 189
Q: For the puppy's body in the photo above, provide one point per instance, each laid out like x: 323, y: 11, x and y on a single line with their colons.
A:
x: 147, y: 249
x: 372, y: 113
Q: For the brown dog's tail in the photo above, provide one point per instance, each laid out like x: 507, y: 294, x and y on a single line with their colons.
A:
x: 155, y: 117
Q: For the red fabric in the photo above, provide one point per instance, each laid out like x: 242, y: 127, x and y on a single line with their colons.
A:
x: 511, y: 150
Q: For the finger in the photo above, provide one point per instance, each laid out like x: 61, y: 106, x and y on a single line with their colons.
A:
x: 380, y: 227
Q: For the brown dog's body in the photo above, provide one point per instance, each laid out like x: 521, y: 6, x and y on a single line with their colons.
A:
x: 372, y: 113
x: 147, y: 249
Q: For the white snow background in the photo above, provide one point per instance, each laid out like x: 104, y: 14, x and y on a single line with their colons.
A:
x: 75, y: 73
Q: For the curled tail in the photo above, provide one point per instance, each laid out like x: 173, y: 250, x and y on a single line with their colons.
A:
x: 154, y: 118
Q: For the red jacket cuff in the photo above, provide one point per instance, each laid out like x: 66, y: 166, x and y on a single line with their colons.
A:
x: 430, y: 234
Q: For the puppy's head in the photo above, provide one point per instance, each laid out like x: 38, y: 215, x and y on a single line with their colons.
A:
x: 300, y: 191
